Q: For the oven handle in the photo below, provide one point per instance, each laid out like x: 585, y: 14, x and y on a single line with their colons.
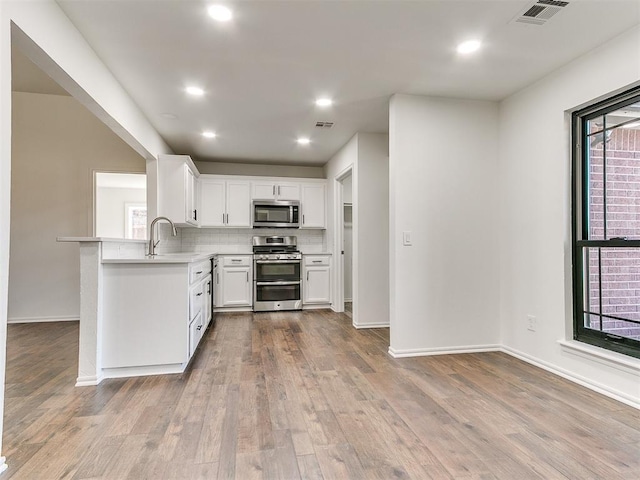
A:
x: 263, y: 262
x: 276, y: 284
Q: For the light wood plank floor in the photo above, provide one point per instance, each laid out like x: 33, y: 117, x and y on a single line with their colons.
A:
x: 304, y: 395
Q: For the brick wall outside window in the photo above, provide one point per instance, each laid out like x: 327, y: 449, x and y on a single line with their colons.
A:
x: 620, y: 267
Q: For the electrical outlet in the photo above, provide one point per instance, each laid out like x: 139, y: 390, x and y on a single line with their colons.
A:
x: 532, y: 323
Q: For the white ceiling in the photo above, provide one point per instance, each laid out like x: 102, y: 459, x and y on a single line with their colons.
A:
x: 263, y: 70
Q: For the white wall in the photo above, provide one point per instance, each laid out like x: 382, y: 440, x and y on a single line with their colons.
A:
x: 5, y: 196
x: 371, y: 199
x: 56, y: 145
x: 367, y: 154
x: 443, y: 169
x: 534, y: 185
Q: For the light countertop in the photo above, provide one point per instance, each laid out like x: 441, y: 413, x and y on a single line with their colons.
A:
x: 189, y: 257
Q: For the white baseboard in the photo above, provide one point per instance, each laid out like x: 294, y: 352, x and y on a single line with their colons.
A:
x: 370, y: 325
x: 232, y: 309
x: 122, y: 372
x: 423, y: 352
x: 585, y: 382
x: 322, y: 306
x: 3, y: 464
x: 89, y: 381
x: 42, y: 319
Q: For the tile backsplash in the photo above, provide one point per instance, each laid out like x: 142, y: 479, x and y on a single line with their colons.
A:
x: 233, y: 240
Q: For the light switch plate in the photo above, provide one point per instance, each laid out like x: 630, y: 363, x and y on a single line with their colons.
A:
x: 406, y: 239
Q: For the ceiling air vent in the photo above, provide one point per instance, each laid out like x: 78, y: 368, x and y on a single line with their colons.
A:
x: 540, y: 12
x: 324, y: 124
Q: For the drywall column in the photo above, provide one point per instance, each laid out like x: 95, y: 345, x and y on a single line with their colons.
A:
x: 371, y: 207
x: 5, y: 192
x: 443, y: 204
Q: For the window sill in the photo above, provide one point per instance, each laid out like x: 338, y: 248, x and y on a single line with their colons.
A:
x: 602, y: 356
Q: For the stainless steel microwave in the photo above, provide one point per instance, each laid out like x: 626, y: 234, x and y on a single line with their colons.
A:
x: 276, y: 214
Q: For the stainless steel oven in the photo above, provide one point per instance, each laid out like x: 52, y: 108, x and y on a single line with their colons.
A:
x: 277, y: 274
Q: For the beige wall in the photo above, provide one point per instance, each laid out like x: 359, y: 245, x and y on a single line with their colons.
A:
x: 56, y: 145
x: 259, y: 170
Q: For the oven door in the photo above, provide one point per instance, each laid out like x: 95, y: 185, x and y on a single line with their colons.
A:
x: 277, y: 270
x: 270, y: 296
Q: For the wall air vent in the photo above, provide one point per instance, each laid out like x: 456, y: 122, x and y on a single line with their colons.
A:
x: 324, y: 124
x: 540, y: 12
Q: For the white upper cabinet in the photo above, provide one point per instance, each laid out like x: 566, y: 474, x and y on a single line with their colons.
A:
x: 313, y: 205
x: 275, y: 191
x: 224, y: 203
x: 177, y: 189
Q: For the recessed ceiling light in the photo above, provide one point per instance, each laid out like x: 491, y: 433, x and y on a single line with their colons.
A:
x: 209, y: 134
x: 169, y: 116
x: 303, y: 141
x: 220, y: 13
x: 324, y: 102
x: 195, y: 91
x: 469, y: 47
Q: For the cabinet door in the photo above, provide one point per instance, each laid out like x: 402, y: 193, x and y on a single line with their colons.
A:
x: 217, y: 286
x: 238, y: 204
x: 264, y: 191
x: 288, y: 191
x: 313, y: 206
x: 236, y: 284
x: 191, y: 204
x: 212, y: 203
x: 207, y: 307
x: 316, y: 285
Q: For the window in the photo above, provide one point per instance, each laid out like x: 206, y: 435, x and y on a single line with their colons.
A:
x: 606, y: 224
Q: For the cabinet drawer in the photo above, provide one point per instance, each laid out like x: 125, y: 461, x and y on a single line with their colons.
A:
x: 199, y: 271
x: 242, y: 261
x: 196, y: 300
x: 317, y: 260
x: 196, y: 330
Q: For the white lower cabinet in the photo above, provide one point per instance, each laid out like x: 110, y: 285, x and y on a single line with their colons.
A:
x: 234, y: 282
x: 155, y: 316
x: 316, y: 280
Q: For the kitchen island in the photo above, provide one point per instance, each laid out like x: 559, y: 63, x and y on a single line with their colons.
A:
x: 139, y: 315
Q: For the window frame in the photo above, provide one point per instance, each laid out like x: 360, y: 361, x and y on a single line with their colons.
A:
x: 580, y: 222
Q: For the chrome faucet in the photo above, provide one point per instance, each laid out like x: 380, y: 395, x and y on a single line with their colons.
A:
x: 152, y: 242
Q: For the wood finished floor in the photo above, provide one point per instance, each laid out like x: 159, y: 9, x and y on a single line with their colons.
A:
x: 304, y: 395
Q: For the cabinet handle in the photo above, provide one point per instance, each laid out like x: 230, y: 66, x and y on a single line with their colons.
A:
x: 195, y: 214
x: 303, y: 218
x: 227, y: 219
x: 199, y: 327
x: 278, y: 190
x: 247, y: 276
x: 307, y: 276
x: 317, y: 261
x: 198, y: 273
x: 236, y: 260
x: 208, y: 287
x: 217, y: 279
x: 273, y: 190
x: 223, y: 218
x: 198, y: 294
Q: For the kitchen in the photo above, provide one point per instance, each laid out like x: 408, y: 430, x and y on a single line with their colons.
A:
x: 145, y: 306
x: 415, y: 186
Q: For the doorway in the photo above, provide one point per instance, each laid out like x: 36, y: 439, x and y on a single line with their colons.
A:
x: 346, y: 247
x: 120, y: 205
